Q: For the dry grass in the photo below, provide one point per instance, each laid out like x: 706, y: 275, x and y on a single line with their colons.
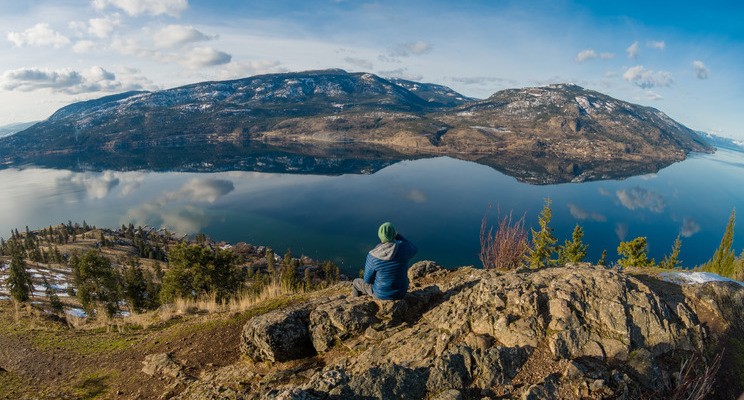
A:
x: 206, y: 305
x: 504, y: 246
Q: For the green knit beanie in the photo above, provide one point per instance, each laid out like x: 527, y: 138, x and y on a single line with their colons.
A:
x: 386, y: 232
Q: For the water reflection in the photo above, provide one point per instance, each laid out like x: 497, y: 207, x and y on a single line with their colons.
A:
x: 438, y: 203
x: 179, y: 210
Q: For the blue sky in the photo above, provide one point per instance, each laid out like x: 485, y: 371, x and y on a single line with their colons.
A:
x: 684, y: 58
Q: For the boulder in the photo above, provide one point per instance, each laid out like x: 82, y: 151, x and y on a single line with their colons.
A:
x: 339, y: 320
x: 423, y: 268
x: 280, y: 335
x: 163, y: 364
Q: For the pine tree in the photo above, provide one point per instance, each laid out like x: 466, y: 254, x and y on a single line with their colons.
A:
x: 603, y: 259
x: 54, y: 301
x: 134, y: 287
x: 672, y: 260
x: 19, y: 281
x: 633, y: 253
x: 573, y: 251
x: 724, y: 258
x: 96, y: 282
x: 543, y: 241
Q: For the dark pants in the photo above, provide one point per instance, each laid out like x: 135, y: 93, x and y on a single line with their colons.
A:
x: 362, y: 287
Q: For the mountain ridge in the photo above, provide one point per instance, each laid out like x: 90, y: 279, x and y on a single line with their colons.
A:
x: 569, y: 137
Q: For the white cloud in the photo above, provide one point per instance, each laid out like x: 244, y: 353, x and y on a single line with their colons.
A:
x: 95, y: 79
x: 83, y: 46
x: 632, y: 50
x: 653, y: 96
x: 242, y: 69
x: 102, y: 27
x: 138, y: 7
x: 689, y: 227
x: 359, y: 62
x: 200, y: 57
x: 177, y: 35
x: 701, y: 71
x: 40, y: 34
x: 639, y: 198
x: 590, y: 54
x: 656, y: 44
x: 647, y: 78
x: 586, y: 55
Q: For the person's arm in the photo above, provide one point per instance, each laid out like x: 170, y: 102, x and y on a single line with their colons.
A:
x: 369, y: 271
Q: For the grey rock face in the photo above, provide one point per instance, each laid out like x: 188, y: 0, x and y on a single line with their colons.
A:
x: 280, y: 335
x: 467, y: 332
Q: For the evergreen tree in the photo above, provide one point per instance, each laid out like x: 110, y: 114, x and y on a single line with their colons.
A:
x: 134, y: 287
x: 96, y: 282
x: 331, y: 272
x: 54, y: 301
x: 19, y: 281
x: 196, y: 270
x: 573, y: 251
x: 724, y: 258
x: 634, y: 253
x: 543, y: 241
x: 672, y: 260
x: 603, y: 259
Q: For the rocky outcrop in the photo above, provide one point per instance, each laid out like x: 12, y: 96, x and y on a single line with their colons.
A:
x: 572, y: 332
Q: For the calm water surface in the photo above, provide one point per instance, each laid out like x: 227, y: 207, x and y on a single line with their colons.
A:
x: 437, y: 203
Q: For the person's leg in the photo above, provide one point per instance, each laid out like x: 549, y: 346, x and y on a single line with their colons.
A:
x: 359, y: 287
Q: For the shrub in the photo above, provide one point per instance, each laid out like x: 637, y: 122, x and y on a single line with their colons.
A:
x: 633, y: 253
x: 505, y: 246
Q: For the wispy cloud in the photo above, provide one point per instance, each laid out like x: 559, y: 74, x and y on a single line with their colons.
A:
x: 689, y: 227
x: 590, y: 54
x: 242, y: 69
x: 653, y: 96
x: 639, y: 198
x: 701, y: 71
x: 621, y: 230
x: 646, y: 78
x: 406, y: 50
x: 401, y: 73
x: 656, y: 44
x: 138, y: 7
x: 632, y: 50
x: 40, y: 34
x: 359, y: 62
x: 582, y: 215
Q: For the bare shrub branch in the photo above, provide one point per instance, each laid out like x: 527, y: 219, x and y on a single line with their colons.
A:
x: 504, y: 246
x: 696, y: 378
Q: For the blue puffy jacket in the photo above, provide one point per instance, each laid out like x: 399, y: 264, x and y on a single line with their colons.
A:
x: 386, y: 268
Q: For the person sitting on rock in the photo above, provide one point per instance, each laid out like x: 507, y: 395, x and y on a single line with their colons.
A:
x: 385, y: 272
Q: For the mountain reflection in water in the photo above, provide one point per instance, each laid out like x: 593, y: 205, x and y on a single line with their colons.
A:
x: 438, y: 203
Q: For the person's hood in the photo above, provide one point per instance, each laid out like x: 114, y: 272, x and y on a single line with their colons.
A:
x: 385, y: 251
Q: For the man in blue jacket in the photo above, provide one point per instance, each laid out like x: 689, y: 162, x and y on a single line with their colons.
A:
x: 386, y: 269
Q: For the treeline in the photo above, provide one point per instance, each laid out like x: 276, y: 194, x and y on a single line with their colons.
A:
x: 508, y: 245
x: 107, y: 284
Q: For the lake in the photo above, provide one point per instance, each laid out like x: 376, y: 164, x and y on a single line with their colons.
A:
x: 437, y: 203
